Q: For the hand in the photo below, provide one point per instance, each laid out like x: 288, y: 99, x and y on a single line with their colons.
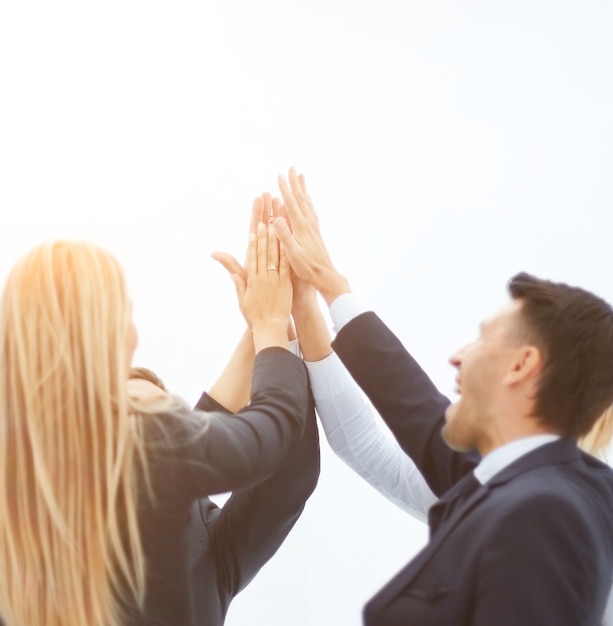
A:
x: 261, y: 211
x: 304, y: 295
x: 266, y: 297
x: 264, y: 209
x: 304, y: 245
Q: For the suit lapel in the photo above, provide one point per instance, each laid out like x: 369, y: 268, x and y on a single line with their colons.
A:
x: 561, y: 451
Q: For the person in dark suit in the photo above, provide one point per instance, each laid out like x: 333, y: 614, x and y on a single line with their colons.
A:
x: 523, y: 531
x: 229, y: 544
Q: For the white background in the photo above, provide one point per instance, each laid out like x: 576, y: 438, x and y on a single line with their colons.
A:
x: 447, y: 144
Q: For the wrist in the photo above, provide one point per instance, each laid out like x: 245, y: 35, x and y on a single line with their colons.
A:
x: 270, y: 333
x: 332, y: 285
x: 305, y: 308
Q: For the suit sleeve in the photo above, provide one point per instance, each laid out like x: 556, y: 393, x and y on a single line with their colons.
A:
x: 405, y: 397
x: 255, y: 521
x: 220, y: 452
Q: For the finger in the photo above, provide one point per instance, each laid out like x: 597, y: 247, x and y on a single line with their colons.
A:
x: 278, y: 210
x: 302, y: 181
x: 284, y: 267
x: 273, y: 249
x: 252, y: 256
x: 303, y: 186
x: 256, y: 217
x: 256, y: 214
x: 276, y: 206
x: 262, y: 248
x: 230, y: 263
x: 266, y: 208
x: 289, y: 201
x: 287, y: 242
x: 298, y: 189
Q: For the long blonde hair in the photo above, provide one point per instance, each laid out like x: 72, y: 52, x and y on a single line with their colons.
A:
x: 70, y: 549
x: 597, y: 441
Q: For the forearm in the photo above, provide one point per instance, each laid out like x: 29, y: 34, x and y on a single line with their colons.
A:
x: 233, y: 387
x: 311, y: 328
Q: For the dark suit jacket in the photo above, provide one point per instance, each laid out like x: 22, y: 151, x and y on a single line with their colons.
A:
x: 189, y: 459
x: 532, y: 547
x: 229, y: 544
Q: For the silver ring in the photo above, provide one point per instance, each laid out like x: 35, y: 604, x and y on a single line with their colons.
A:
x: 271, y: 266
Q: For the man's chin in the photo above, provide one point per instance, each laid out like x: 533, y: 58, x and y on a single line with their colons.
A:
x: 450, y: 412
x: 452, y: 437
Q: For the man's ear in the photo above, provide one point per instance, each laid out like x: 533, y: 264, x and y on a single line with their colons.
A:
x: 527, y: 363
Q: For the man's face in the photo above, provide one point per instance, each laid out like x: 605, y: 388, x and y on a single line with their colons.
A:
x: 482, y: 366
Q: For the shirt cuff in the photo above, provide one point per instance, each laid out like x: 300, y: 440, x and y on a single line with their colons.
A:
x: 328, y: 377
x: 294, y: 348
x: 344, y: 309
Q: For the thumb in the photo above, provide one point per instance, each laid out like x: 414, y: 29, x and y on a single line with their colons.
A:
x: 229, y: 263
x: 292, y: 248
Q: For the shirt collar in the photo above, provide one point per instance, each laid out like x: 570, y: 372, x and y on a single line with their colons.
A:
x: 499, y: 458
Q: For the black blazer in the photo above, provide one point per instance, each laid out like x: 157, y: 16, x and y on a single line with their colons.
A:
x: 532, y: 547
x: 230, y: 544
x: 190, y: 459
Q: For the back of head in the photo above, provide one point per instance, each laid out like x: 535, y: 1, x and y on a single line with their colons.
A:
x: 573, y: 330
x: 66, y: 445
x: 144, y: 373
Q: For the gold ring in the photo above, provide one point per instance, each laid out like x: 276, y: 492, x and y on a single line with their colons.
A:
x: 271, y: 266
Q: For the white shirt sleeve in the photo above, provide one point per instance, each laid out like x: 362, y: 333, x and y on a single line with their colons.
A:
x: 294, y: 348
x: 344, y: 309
x: 359, y: 437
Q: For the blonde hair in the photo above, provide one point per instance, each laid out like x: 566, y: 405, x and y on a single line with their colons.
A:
x: 598, y: 439
x: 70, y: 548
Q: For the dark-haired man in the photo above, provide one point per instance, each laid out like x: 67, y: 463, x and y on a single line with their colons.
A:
x: 523, y: 532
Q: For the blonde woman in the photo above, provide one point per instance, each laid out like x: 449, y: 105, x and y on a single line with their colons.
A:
x: 95, y: 491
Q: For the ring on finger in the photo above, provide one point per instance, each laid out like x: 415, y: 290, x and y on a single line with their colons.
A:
x: 272, y: 266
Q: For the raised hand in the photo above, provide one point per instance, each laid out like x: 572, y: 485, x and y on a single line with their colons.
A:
x: 299, y: 234
x: 261, y: 211
x: 266, y: 297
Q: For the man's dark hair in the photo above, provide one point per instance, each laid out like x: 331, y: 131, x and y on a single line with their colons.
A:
x: 573, y: 329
